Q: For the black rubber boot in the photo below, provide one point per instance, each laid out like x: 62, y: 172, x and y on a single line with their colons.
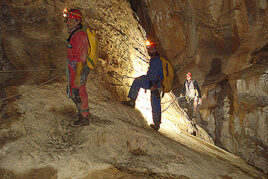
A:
x: 82, y: 121
x: 130, y: 103
x: 155, y: 127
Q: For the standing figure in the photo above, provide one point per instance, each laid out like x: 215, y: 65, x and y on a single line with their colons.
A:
x: 150, y: 81
x: 77, y: 69
x: 192, y: 94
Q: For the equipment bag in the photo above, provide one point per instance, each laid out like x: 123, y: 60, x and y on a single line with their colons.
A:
x: 93, y: 50
x: 168, y: 75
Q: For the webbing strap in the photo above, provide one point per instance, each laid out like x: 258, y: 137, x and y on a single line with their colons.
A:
x: 91, y: 61
x: 189, y: 99
x: 78, y: 27
x: 163, y: 93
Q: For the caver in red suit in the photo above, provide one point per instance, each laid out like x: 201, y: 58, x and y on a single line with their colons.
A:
x: 77, y: 69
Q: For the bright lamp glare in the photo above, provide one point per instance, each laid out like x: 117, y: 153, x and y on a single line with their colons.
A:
x: 64, y: 13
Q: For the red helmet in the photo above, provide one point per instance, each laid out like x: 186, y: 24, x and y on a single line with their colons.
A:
x: 74, y: 14
x: 151, y: 44
x: 189, y: 74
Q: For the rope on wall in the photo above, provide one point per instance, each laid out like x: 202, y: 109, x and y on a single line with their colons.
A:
x: 27, y: 90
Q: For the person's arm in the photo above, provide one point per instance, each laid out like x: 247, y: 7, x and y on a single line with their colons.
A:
x: 196, y: 86
x: 78, y: 72
x: 80, y: 49
x: 80, y: 46
x: 154, y: 69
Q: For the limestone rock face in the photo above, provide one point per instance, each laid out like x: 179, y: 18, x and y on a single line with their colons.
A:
x: 224, y: 44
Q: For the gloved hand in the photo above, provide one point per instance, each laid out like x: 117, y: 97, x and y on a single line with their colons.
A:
x: 153, y: 87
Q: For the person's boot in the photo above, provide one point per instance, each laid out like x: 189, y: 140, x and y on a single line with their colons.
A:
x: 130, y: 103
x: 155, y: 127
x: 82, y: 121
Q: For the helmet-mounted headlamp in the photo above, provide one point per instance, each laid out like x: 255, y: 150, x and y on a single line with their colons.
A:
x: 64, y: 13
x: 151, y: 44
x: 72, y: 13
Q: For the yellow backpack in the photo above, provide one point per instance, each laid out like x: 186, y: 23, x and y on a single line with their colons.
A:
x: 93, y: 50
x: 168, y: 75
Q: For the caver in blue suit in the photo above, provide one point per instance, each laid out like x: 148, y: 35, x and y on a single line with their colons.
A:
x: 154, y: 73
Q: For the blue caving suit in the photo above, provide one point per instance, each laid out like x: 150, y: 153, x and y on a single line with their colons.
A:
x: 147, y: 81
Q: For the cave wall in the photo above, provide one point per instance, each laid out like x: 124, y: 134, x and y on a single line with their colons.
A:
x: 224, y: 44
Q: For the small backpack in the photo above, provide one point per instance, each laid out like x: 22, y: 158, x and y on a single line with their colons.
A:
x: 168, y: 75
x: 93, y: 50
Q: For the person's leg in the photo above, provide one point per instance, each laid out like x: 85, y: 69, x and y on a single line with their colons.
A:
x: 134, y: 90
x: 136, y: 85
x: 195, y: 104
x: 156, y: 109
x: 80, y: 99
x: 77, y: 100
x: 190, y: 108
x: 183, y: 102
x: 191, y: 115
x: 84, y: 74
x: 84, y: 101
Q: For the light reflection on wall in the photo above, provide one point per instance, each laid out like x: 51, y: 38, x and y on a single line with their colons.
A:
x: 143, y: 103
